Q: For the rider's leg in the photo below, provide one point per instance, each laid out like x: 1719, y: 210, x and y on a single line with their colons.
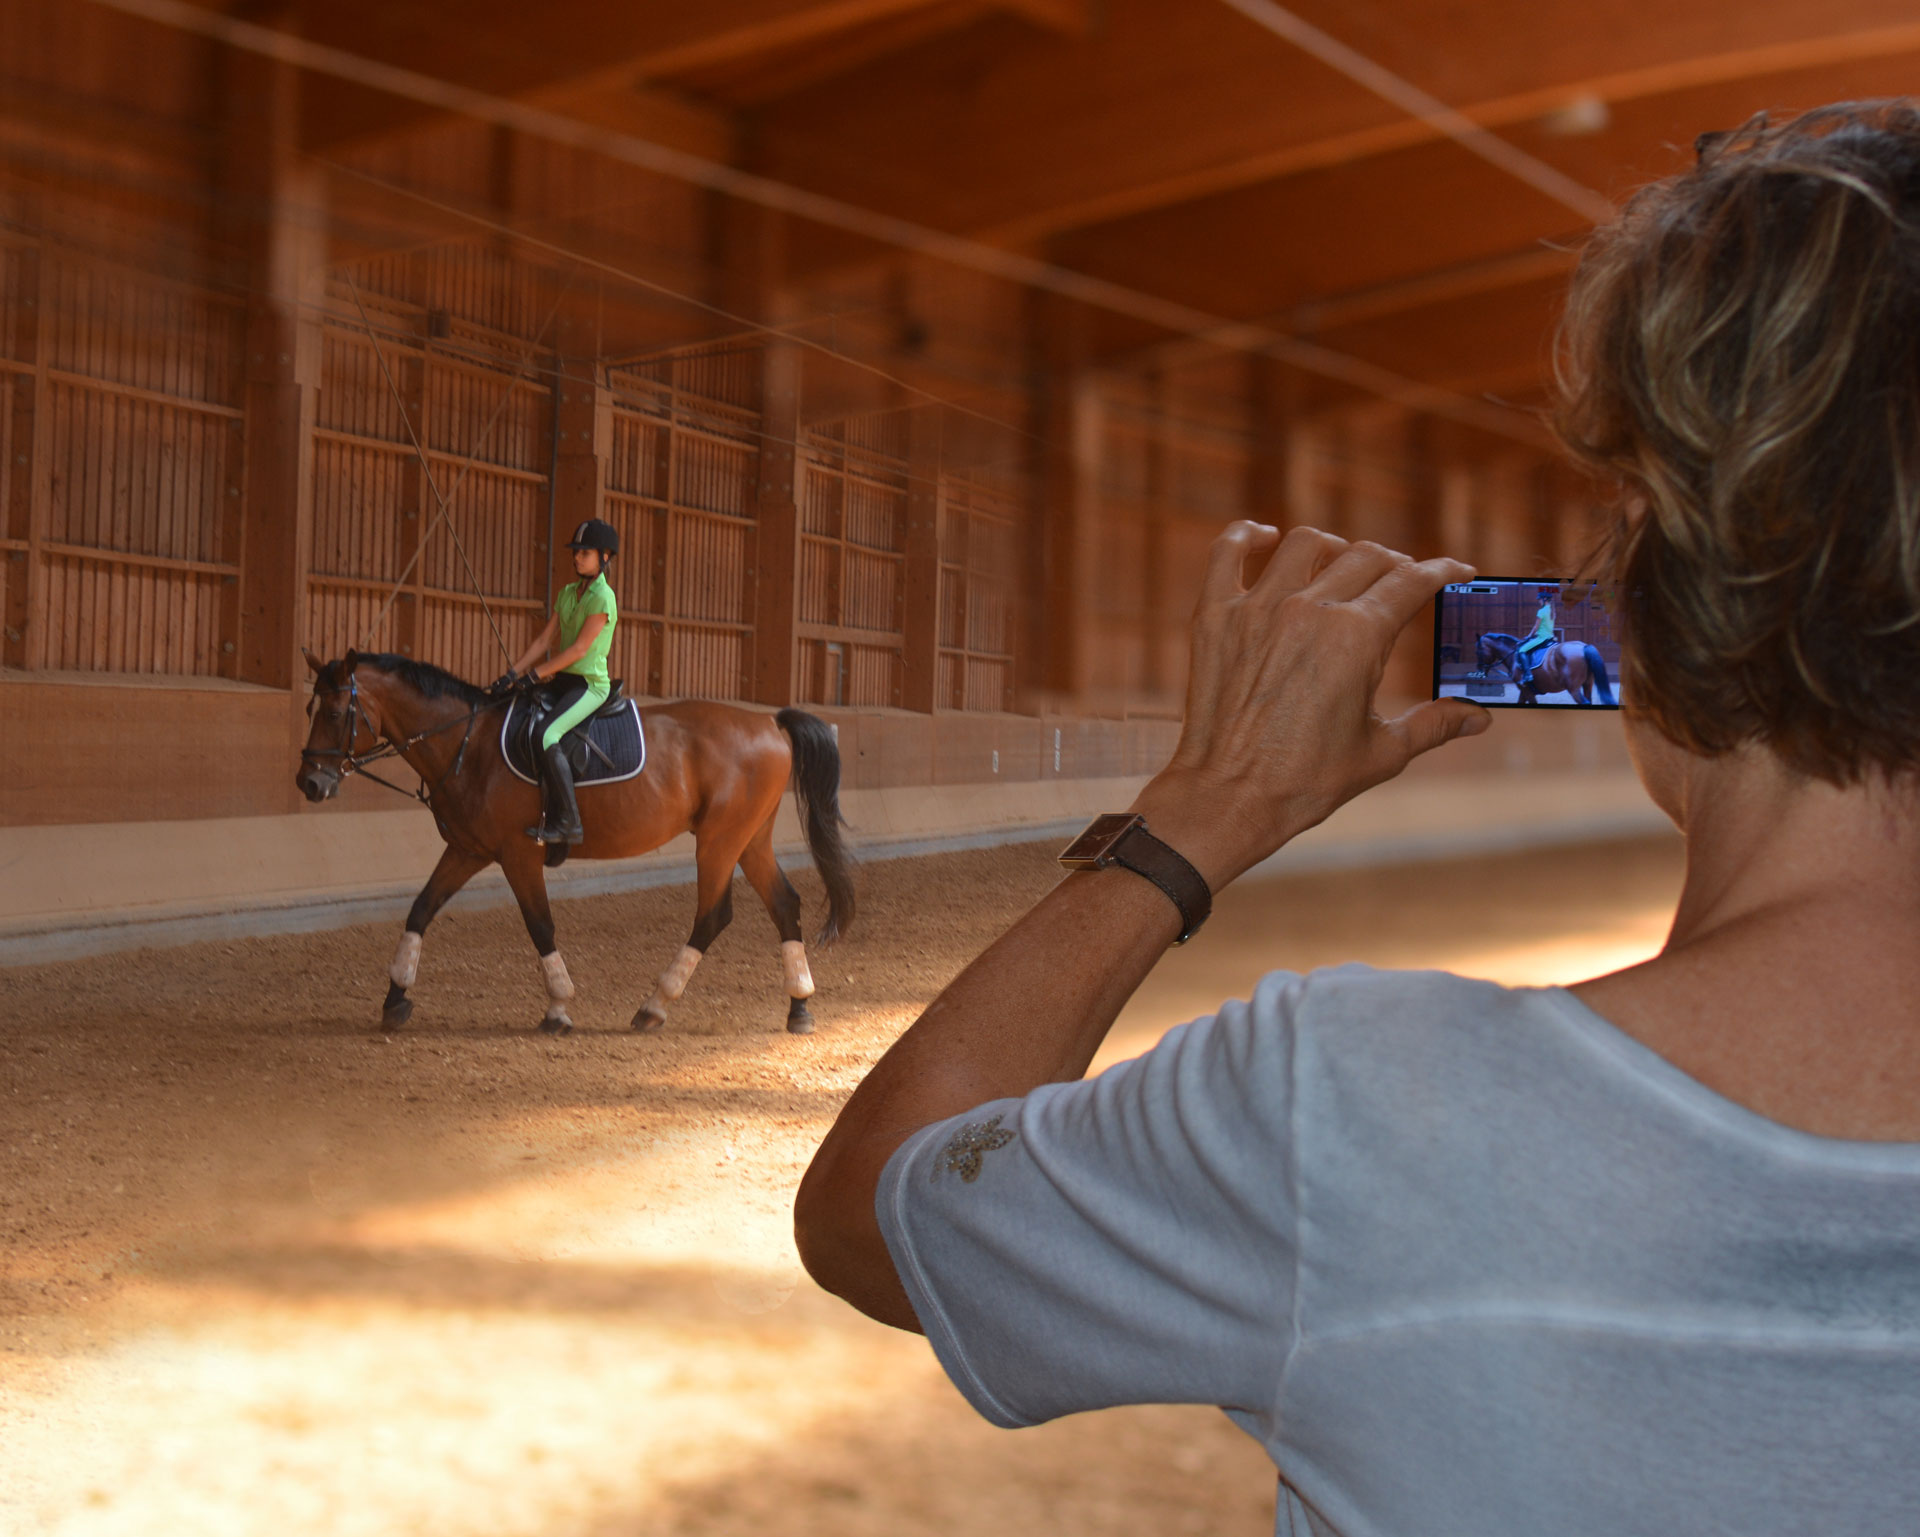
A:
x: 562, y: 821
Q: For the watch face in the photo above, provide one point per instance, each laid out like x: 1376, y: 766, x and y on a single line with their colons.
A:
x: 1087, y: 850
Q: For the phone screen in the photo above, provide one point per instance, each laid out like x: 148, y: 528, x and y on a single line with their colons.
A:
x: 1504, y: 642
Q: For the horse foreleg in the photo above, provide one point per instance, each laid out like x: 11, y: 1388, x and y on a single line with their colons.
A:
x: 713, y: 911
x: 526, y: 874
x: 455, y: 869
x: 783, y: 906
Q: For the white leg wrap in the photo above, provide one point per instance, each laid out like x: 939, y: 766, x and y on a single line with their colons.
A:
x: 793, y: 955
x: 674, y: 980
x: 559, y: 984
x: 406, y: 961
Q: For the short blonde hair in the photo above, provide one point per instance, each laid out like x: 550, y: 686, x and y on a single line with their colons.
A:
x: 1740, y: 360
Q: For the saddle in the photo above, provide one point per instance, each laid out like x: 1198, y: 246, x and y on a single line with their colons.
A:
x: 609, y: 745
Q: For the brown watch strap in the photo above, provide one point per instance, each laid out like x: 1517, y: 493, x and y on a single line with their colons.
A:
x: 1186, y: 888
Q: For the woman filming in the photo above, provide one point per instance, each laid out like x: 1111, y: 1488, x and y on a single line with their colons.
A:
x: 1640, y: 1255
x: 584, y: 614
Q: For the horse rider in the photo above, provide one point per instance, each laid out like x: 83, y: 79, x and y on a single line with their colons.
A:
x: 584, y: 614
x: 1542, y: 637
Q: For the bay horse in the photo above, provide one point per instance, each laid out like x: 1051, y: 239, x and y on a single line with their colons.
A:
x: 713, y: 769
x: 1568, y: 666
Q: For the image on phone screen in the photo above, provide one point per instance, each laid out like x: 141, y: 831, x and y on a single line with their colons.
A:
x: 1505, y: 642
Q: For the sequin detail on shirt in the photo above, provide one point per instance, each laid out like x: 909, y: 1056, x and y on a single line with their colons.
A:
x: 963, y: 1152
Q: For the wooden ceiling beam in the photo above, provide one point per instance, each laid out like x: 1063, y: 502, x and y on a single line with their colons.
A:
x: 1318, y: 318
x: 692, y: 37
x: 1070, y: 18
x: 1667, y: 78
x: 1015, y: 137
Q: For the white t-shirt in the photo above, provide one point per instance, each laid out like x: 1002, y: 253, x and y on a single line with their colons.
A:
x: 1465, y: 1259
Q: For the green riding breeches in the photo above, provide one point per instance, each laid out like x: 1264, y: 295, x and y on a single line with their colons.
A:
x: 591, y: 698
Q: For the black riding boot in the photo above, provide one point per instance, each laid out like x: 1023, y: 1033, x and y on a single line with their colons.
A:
x: 561, y: 823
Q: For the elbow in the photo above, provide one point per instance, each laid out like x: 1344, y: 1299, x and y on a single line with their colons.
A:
x: 838, y: 1238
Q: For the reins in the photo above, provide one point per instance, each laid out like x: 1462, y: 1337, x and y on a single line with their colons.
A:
x: 356, y: 763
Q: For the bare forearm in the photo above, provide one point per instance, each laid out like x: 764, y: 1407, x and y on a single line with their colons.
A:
x: 1032, y: 1009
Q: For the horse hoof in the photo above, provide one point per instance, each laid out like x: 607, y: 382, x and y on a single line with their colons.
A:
x: 647, y: 1021
x: 799, y: 1021
x: 396, y: 1014
x: 557, y: 1024
x: 557, y: 855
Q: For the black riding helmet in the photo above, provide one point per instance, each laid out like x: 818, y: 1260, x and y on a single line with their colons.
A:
x: 596, y: 534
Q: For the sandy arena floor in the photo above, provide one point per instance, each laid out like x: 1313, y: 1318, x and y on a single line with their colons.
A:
x: 266, y: 1271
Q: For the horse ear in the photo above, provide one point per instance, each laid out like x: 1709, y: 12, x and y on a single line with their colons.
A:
x: 314, y: 664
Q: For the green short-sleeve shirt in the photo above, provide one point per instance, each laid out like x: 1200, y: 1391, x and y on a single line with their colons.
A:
x: 573, y: 607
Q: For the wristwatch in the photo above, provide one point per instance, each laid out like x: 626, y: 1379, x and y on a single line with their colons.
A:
x: 1121, y: 838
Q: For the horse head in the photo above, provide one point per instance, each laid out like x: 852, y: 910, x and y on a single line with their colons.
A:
x: 343, y: 727
x: 1488, y: 652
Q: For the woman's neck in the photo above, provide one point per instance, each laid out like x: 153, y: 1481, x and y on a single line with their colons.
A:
x: 1761, y: 839
x: 1787, y: 981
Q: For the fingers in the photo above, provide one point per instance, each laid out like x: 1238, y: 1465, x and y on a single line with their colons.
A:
x: 1228, y: 555
x: 1302, y: 555
x: 1355, y: 571
x: 1403, y: 591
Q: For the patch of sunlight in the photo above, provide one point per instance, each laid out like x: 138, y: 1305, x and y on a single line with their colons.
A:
x: 719, y: 1197
x: 352, y: 1416
x: 536, y: 1356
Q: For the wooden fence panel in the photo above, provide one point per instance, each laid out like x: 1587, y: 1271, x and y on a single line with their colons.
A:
x: 853, y: 511
x: 681, y: 492
x: 481, y: 405
x: 108, y: 615
x: 978, y: 553
x: 360, y: 491
x: 127, y: 440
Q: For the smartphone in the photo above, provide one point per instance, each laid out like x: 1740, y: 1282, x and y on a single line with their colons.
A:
x: 1509, y: 643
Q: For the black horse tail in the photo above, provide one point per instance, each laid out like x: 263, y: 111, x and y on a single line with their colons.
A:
x: 1597, y: 665
x: 816, y: 790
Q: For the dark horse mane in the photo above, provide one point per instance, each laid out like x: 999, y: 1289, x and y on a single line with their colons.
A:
x: 423, y: 677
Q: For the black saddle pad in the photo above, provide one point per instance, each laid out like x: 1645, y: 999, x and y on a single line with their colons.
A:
x: 605, y: 748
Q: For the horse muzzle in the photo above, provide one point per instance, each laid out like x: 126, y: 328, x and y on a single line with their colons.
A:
x: 317, y: 784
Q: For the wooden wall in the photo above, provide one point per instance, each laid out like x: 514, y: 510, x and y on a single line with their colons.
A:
x: 236, y: 389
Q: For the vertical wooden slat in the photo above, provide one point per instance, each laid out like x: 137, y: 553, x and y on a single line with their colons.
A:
x: 40, y: 466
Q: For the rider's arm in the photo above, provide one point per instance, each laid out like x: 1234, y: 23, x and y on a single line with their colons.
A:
x: 583, y: 643
x: 539, y: 645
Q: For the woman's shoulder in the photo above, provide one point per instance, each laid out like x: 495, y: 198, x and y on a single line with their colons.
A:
x: 1428, y: 1022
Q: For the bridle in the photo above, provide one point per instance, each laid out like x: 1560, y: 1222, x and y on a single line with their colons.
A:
x: 356, y: 763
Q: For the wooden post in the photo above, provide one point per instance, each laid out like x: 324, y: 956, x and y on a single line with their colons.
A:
x: 1424, y: 445
x: 29, y: 487
x: 277, y: 221
x: 920, y: 581
x: 583, y: 418
x: 1064, y: 432
x: 1273, y: 403
x: 776, y: 554
x: 1155, y: 548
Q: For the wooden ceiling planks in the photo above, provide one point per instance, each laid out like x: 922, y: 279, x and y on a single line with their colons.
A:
x: 1178, y: 149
